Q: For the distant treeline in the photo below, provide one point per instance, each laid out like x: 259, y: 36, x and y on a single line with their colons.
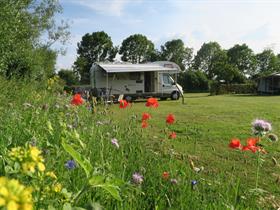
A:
x: 236, y: 65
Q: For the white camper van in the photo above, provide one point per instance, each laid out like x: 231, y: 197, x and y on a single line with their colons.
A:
x: 132, y: 81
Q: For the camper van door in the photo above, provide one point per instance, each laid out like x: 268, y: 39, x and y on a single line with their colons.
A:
x: 167, y: 84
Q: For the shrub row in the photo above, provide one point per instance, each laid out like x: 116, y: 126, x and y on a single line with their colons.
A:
x: 219, y: 89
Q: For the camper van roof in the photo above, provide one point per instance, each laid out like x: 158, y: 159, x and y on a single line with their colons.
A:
x: 156, y: 66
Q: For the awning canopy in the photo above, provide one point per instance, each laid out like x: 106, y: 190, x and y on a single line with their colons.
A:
x: 168, y: 67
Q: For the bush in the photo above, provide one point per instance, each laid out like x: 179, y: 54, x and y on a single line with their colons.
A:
x: 194, y: 81
x: 217, y: 88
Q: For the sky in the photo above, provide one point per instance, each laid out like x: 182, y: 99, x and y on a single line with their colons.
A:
x: 228, y: 22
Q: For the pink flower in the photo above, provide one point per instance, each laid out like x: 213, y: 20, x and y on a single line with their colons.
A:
x: 114, y: 141
x: 137, y: 178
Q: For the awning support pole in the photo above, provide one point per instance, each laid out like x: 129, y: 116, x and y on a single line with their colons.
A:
x: 107, y: 88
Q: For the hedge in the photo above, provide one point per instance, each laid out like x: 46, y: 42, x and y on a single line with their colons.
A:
x: 219, y: 89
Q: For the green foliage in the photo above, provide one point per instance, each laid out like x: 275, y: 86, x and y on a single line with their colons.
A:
x: 222, y: 70
x: 243, y: 58
x: 69, y: 77
x: 84, y: 163
x: 95, y: 47
x: 193, y: 81
x: 176, y: 52
x: 267, y: 62
x: 219, y: 89
x: 205, y: 57
x: 22, y: 52
x: 137, y: 49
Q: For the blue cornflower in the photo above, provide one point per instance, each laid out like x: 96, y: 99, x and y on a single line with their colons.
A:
x: 194, y: 182
x: 70, y: 164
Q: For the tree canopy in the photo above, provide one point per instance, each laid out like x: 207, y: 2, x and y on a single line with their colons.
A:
x: 267, y: 62
x: 21, y: 28
x: 137, y: 49
x: 243, y: 58
x: 205, y: 57
x: 95, y: 47
x: 176, y: 52
x: 68, y: 76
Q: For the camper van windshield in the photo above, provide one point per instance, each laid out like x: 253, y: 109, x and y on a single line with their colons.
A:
x: 167, y: 79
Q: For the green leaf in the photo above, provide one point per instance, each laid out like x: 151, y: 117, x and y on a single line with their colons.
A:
x: 81, y: 160
x: 100, y: 181
x: 96, y: 180
x: 113, y: 190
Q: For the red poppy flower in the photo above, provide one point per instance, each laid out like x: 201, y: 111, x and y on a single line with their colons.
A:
x: 146, y: 116
x: 172, y: 135
x: 235, y: 144
x: 77, y: 100
x: 144, y: 124
x: 251, y: 145
x: 170, y: 119
x: 252, y: 141
x: 152, y: 102
x: 123, y: 104
x: 165, y: 175
x: 251, y: 148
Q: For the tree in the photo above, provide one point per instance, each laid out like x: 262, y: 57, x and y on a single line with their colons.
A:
x: 176, y: 52
x: 222, y: 70
x: 267, y: 62
x: 243, y: 58
x: 137, y: 49
x: 21, y: 27
x: 204, y: 58
x: 193, y: 81
x: 68, y: 76
x: 95, y: 47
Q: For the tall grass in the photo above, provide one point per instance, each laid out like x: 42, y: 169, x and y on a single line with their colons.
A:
x: 30, y: 114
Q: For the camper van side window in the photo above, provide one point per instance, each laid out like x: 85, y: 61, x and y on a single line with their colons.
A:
x: 134, y: 75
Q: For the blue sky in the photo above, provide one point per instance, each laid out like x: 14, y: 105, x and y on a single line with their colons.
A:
x: 229, y: 22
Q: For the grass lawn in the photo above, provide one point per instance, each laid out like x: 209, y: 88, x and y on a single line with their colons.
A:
x: 201, y: 171
x: 206, y: 124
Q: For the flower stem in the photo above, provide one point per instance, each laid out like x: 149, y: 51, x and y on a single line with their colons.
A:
x: 79, y: 194
x: 258, y: 169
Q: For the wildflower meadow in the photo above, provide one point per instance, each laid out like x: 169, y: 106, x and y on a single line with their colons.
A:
x: 60, y: 151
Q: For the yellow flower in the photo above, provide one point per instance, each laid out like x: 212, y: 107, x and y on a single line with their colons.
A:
x: 34, y: 153
x: 29, y: 158
x: 41, y: 167
x: 57, y: 187
x: 14, y: 196
x: 28, y: 167
x: 51, y: 174
x: 12, y: 205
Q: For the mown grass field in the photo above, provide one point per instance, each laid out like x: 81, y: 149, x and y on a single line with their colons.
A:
x: 32, y: 115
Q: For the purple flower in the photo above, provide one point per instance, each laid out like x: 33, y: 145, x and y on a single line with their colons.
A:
x: 261, y: 127
x: 70, y: 164
x: 114, y: 141
x: 193, y: 182
x: 137, y: 178
x: 174, y: 181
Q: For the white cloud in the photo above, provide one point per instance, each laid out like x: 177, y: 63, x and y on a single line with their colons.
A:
x: 105, y: 7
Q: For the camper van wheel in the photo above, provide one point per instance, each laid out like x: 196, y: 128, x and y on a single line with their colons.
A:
x: 175, y: 95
